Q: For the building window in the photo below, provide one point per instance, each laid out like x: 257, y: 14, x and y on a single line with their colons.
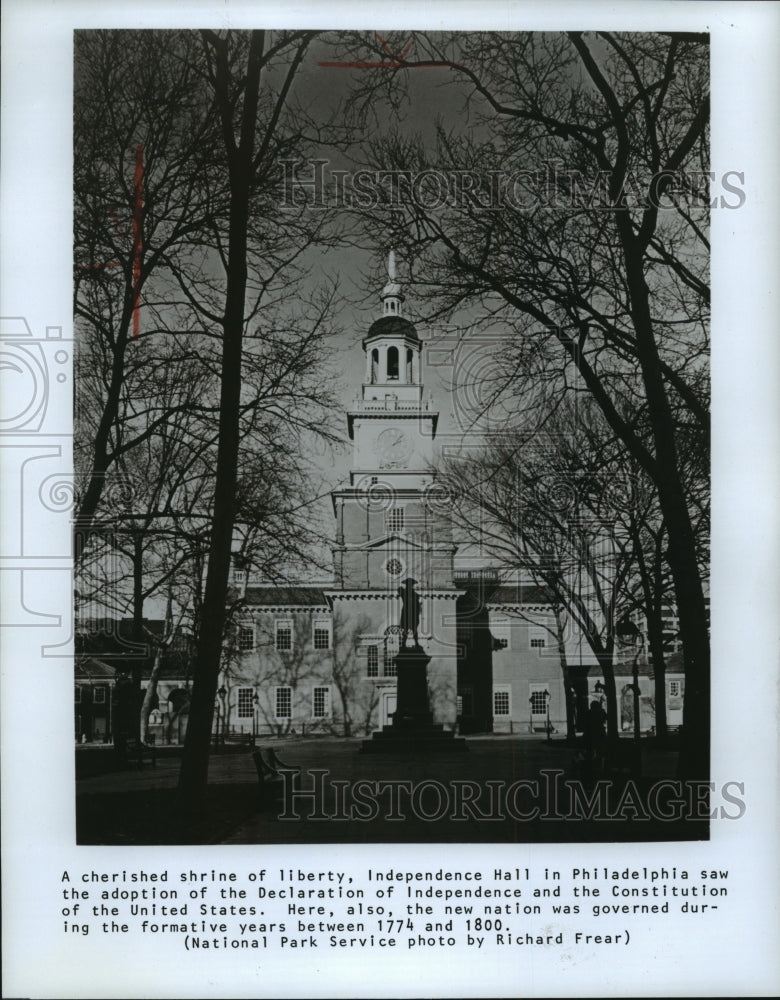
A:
x: 537, y: 642
x: 372, y: 661
x: 395, y: 519
x: 391, y: 670
x: 674, y: 689
x: 77, y: 695
x: 320, y: 702
x: 99, y: 696
x: 409, y: 365
x: 246, y: 638
x: 500, y: 629
x: 246, y: 703
x: 501, y: 701
x: 392, y: 363
x: 394, y: 567
x: 283, y: 634
x: 321, y: 637
x: 538, y: 701
x: 375, y: 366
x: 283, y: 702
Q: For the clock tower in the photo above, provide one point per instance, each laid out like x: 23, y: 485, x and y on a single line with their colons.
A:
x: 391, y: 423
x: 393, y: 530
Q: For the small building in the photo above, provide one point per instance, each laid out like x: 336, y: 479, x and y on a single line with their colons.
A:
x: 106, y: 650
x: 93, y: 688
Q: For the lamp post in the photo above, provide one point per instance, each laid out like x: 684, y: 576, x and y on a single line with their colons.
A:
x: 547, y: 709
x: 255, y: 701
x: 222, y: 692
x: 629, y: 635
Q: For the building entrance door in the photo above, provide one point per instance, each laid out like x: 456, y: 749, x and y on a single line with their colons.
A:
x: 387, y: 707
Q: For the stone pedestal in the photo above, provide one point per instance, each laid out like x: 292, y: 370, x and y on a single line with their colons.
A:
x: 413, y: 729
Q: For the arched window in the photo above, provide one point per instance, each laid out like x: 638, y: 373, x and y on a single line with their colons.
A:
x: 392, y: 363
x: 375, y: 365
x: 409, y: 362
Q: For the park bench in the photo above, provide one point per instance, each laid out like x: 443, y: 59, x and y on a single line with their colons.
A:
x: 137, y: 752
x: 269, y: 768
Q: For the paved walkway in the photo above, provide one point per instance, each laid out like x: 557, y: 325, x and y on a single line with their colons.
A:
x: 448, y: 797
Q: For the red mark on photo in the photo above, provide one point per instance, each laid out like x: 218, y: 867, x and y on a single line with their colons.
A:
x: 397, y: 61
x: 137, y: 239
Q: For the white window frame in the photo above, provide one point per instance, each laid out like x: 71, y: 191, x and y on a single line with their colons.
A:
x: 99, y: 690
x: 280, y: 625
x: 326, y: 714
x: 395, y: 514
x: 502, y: 689
x: 321, y: 625
x: 538, y: 642
x: 538, y: 688
x: 674, y: 689
x: 77, y: 695
x: 243, y: 637
x: 277, y: 691
x: 241, y: 713
x: 372, y: 670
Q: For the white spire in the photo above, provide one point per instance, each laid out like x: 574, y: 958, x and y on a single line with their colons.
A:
x: 391, y: 294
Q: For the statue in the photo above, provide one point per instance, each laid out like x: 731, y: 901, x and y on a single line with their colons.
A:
x: 410, y: 612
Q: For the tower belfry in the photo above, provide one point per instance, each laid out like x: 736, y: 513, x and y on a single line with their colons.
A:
x: 391, y: 423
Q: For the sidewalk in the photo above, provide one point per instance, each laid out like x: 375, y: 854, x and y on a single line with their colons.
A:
x: 370, y: 798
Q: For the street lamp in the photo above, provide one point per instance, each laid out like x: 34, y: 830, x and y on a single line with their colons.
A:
x: 629, y: 635
x: 547, y: 708
x: 222, y: 692
x: 255, y: 701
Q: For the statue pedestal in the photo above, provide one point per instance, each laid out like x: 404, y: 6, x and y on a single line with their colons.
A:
x: 413, y: 729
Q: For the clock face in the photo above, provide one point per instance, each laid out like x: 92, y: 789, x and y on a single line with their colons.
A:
x: 393, y: 446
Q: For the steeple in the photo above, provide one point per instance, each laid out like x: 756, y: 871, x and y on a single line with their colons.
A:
x: 391, y: 294
x: 393, y: 382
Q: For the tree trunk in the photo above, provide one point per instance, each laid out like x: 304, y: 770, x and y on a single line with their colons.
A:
x: 193, y: 776
x: 608, y: 673
x: 139, y: 636
x: 568, y: 692
x: 694, y: 761
x: 655, y: 642
x: 151, y: 691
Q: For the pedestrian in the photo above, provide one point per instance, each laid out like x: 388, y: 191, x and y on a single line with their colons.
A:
x: 595, y: 734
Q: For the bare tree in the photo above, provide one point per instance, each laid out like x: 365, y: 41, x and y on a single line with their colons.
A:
x: 358, y: 699
x: 582, y: 226
x: 179, y: 136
